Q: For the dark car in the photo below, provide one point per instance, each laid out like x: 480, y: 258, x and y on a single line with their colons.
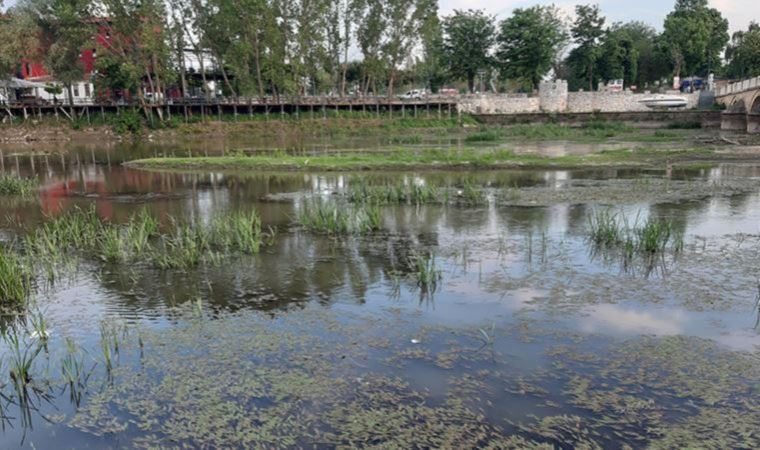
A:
x: 692, y: 85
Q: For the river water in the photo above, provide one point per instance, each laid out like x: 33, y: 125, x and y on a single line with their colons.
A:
x: 530, y: 336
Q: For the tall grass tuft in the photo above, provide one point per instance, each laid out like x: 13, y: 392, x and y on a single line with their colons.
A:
x: 15, y: 280
x: 237, y: 231
x: 330, y: 218
x: 401, y: 193
x: 22, y: 187
x: 425, y: 271
x: 652, y: 237
x: 183, y: 245
x: 21, y: 359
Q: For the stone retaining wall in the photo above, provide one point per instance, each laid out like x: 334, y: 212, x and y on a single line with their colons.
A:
x: 553, y: 97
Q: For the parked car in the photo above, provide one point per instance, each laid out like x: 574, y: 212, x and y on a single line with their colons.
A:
x: 414, y: 94
x: 692, y: 85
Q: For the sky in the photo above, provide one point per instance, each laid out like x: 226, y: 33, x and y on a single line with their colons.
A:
x: 738, y: 12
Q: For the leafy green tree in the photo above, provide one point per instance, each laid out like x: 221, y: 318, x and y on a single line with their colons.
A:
x: 743, y: 53
x: 619, y: 57
x: 529, y: 42
x: 371, y: 23
x: 19, y: 39
x: 650, y: 64
x: 403, y: 23
x: 138, y: 41
x: 694, y: 37
x: 468, y: 39
x: 65, y: 31
x: 431, y: 67
x: 587, y: 30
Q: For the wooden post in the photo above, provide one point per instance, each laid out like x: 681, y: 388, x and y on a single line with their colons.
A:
x: 102, y: 114
x: 403, y: 111
x: 219, y: 111
x: 87, y: 110
x: 440, y: 115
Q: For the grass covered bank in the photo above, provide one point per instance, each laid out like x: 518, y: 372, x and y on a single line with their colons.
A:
x: 426, y: 159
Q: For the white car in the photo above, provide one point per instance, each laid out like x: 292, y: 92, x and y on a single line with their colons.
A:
x: 414, y: 94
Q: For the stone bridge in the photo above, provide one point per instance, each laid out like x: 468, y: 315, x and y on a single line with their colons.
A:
x: 742, y: 100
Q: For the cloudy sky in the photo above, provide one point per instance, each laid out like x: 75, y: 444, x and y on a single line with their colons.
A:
x: 738, y: 12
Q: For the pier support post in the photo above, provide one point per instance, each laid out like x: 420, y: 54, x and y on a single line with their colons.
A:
x: 733, y: 121
x: 753, y: 123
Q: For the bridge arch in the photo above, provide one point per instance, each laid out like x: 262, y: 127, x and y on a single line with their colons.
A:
x: 738, y: 106
x: 755, y: 105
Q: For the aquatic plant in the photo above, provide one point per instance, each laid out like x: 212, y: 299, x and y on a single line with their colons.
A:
x: 604, y: 228
x: 21, y: 359
x: 401, y: 193
x: 425, y: 271
x: 237, y: 231
x: 329, y: 218
x: 15, y: 280
x: 72, y: 364
x: 183, y: 245
x: 39, y: 326
x: 182, y: 249
x: 325, y: 218
x: 22, y: 187
x: 471, y: 194
x: 652, y: 237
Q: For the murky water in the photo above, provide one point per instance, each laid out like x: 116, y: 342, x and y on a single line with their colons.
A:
x: 530, y: 336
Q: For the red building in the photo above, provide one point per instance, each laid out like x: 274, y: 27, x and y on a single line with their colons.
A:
x: 35, y: 70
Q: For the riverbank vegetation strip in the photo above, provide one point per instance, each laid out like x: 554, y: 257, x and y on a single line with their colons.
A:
x: 425, y: 159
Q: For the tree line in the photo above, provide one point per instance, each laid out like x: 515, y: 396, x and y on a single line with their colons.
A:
x: 302, y: 47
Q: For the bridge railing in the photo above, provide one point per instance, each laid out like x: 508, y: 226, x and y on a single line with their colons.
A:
x: 739, y: 86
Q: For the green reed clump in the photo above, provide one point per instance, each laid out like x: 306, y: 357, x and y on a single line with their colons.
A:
x: 425, y: 271
x: 77, y: 229
x: 326, y: 218
x: 184, y: 248
x: 471, y: 194
x: 15, y: 280
x: 237, y: 231
x: 21, y: 356
x: 368, y: 219
x: 329, y: 218
x: 651, y: 237
x: 654, y: 235
x: 400, y: 193
x: 22, y: 187
x: 140, y: 238
x: 604, y: 228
